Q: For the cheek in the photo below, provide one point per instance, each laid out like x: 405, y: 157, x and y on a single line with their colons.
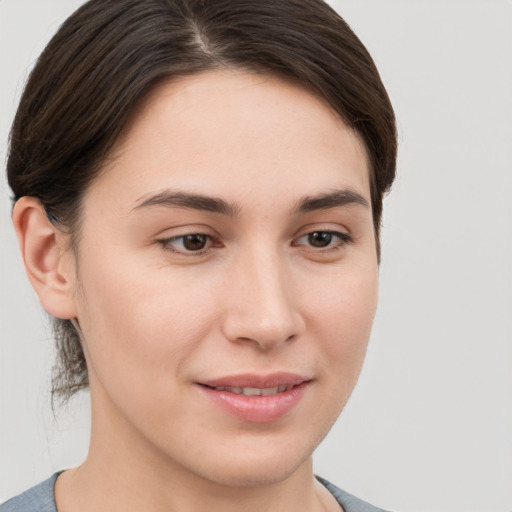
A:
x: 139, y: 321
x: 343, y: 315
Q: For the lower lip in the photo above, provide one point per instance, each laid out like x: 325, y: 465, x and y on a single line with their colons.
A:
x: 257, y: 409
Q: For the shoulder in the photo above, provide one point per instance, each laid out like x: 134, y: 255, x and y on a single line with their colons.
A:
x: 41, y: 499
x: 37, y: 499
x: 349, y: 502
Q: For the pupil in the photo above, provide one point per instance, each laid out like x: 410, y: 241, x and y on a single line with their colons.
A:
x: 320, y: 239
x: 194, y: 242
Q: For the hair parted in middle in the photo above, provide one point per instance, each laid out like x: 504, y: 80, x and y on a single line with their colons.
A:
x: 109, y: 54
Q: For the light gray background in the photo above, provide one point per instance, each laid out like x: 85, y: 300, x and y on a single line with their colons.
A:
x: 429, y: 427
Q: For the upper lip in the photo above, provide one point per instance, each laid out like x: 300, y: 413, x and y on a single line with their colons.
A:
x: 256, y: 381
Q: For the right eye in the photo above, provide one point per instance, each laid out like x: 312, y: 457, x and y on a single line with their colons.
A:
x: 189, y: 244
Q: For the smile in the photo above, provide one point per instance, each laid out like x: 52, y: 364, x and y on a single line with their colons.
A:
x: 255, y: 391
x: 257, y: 399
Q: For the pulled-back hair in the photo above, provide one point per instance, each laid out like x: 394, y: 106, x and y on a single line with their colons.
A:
x: 108, y: 55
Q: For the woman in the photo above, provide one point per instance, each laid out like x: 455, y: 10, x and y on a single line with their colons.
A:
x: 197, y: 196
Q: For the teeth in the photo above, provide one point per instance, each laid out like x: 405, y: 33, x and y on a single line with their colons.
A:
x: 252, y: 391
x: 255, y: 391
x: 269, y: 391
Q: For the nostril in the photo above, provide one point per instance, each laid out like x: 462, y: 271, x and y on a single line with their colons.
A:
x: 266, y: 313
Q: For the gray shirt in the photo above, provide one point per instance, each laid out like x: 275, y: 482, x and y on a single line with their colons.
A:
x: 41, y: 498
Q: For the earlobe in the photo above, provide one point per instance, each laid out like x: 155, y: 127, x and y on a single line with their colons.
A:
x: 49, y: 264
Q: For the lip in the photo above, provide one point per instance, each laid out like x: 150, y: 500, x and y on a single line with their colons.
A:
x: 256, y: 409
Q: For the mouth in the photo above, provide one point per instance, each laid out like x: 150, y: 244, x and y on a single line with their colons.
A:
x: 257, y: 399
x: 254, y: 391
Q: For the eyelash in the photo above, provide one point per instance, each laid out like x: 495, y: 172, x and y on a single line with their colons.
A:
x: 167, y: 244
x: 343, y: 239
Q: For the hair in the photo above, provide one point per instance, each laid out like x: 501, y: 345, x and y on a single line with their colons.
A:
x: 107, y: 56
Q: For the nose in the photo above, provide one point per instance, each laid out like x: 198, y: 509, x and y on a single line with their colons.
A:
x: 262, y: 303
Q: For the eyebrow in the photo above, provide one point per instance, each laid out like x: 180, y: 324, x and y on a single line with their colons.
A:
x: 334, y: 199
x: 173, y: 199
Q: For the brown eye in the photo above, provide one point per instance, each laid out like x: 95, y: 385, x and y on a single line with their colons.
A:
x: 324, y: 240
x: 194, y: 242
x: 320, y: 238
x: 191, y: 244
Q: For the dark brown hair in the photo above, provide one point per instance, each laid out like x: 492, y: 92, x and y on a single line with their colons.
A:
x: 105, y: 58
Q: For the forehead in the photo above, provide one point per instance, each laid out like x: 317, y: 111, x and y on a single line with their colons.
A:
x: 236, y: 130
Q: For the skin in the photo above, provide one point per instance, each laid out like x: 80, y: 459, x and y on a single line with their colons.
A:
x: 259, y: 297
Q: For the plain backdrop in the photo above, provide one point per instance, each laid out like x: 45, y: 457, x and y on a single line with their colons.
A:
x: 429, y: 426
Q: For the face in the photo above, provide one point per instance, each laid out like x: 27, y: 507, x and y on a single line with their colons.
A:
x: 227, y: 278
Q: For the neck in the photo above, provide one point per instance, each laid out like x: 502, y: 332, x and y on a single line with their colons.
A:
x: 124, y: 472
x: 97, y: 486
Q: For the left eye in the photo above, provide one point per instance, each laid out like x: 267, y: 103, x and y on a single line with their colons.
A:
x: 193, y: 242
x: 324, y: 239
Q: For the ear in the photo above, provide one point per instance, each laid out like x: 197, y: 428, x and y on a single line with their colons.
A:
x: 49, y: 264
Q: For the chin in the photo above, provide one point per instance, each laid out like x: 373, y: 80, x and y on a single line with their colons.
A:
x: 261, y: 476
x: 257, y: 467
